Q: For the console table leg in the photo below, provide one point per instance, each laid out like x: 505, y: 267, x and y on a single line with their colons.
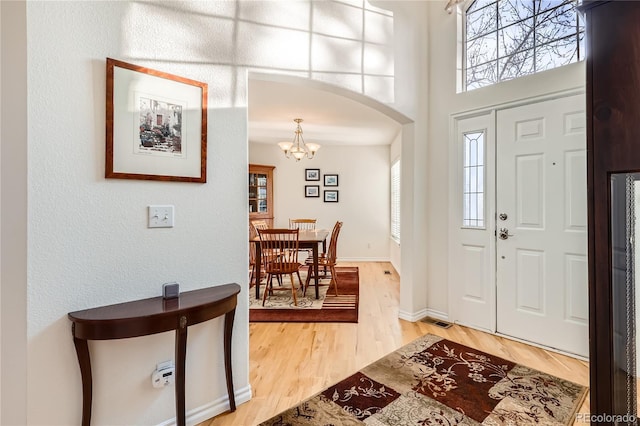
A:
x: 82, y: 351
x: 181, y: 356
x: 228, y: 329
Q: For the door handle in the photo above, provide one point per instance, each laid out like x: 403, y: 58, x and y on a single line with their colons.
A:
x: 503, y: 234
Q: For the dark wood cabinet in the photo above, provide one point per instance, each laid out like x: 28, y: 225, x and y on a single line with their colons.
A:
x: 613, y: 160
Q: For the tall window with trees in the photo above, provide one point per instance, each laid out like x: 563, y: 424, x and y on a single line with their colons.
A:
x: 506, y: 39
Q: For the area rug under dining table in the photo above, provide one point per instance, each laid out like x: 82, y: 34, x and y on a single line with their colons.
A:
x: 434, y: 381
x: 280, y: 307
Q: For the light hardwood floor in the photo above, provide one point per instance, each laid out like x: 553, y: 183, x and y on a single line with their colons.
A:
x: 292, y: 361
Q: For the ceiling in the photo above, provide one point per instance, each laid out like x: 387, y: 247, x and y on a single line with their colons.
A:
x: 329, y: 118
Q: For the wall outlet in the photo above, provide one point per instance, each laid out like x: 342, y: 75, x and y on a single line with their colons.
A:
x: 163, y: 375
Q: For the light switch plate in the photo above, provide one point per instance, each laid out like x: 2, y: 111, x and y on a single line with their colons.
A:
x: 161, y: 217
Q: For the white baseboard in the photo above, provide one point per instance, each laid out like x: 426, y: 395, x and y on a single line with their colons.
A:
x: 438, y: 314
x: 417, y: 316
x: 412, y: 316
x: 363, y: 259
x: 212, y: 409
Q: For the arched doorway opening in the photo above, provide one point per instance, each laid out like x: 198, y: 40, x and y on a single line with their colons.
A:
x: 333, y: 113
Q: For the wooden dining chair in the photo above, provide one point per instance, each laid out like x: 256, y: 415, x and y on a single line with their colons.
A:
x: 303, y: 224
x: 259, y: 224
x: 280, y: 251
x: 253, y: 233
x: 327, y: 260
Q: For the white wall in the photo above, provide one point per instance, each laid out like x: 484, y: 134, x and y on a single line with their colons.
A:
x: 394, y: 247
x: 412, y: 98
x: 13, y: 219
x: 363, y: 202
x: 444, y: 101
x: 88, y: 244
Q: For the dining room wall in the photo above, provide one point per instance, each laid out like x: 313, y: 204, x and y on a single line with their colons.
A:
x: 363, y: 195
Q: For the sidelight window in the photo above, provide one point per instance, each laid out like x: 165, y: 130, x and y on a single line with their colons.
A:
x: 473, y: 172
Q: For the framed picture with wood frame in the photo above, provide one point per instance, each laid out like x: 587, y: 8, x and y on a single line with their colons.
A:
x: 156, y: 125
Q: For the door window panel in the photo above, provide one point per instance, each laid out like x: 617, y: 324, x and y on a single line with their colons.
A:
x: 473, y: 189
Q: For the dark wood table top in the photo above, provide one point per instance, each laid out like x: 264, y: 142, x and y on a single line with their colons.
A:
x: 153, y: 315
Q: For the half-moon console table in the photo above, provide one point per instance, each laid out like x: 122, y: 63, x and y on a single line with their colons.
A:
x: 151, y: 316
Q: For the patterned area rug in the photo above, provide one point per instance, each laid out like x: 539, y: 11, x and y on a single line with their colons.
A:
x: 433, y: 381
x: 279, y: 307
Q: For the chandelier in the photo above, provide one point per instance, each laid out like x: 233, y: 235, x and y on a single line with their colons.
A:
x: 298, y: 148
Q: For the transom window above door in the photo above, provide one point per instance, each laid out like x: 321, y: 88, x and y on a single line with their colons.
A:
x: 507, y: 39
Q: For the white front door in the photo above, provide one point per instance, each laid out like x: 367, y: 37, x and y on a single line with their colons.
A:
x: 541, y: 221
x: 472, y: 247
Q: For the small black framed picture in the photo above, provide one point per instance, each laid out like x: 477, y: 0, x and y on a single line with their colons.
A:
x: 330, y: 180
x: 312, y: 191
x: 330, y: 196
x: 311, y: 174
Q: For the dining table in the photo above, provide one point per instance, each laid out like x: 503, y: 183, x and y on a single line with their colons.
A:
x: 307, y: 239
